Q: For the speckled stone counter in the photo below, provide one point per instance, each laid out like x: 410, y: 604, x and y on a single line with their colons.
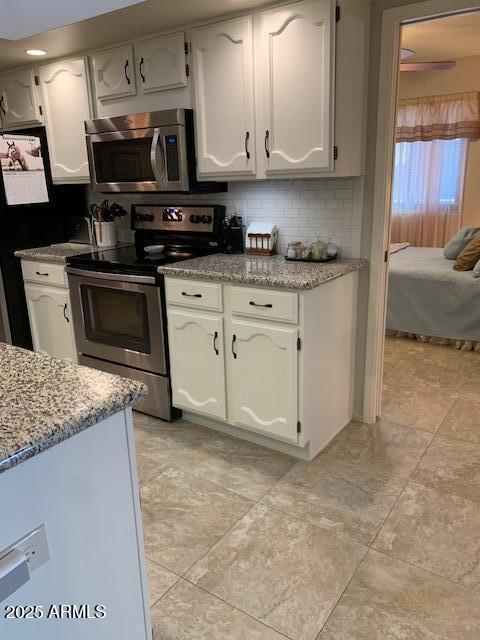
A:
x: 44, y: 400
x: 54, y: 252
x: 272, y: 271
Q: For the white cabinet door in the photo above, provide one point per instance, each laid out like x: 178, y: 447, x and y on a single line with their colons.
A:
x: 161, y: 63
x: 49, y: 315
x: 67, y: 105
x: 295, y: 81
x: 18, y: 99
x: 114, y: 73
x: 197, y: 362
x: 224, y: 97
x: 263, y: 378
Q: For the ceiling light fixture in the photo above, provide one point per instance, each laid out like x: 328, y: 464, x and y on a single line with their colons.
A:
x: 35, y: 52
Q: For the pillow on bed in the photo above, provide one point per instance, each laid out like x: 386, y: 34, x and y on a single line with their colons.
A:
x: 459, y: 242
x: 468, y: 257
x: 476, y: 270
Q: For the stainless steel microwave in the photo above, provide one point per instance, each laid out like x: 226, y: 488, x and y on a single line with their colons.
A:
x: 145, y: 152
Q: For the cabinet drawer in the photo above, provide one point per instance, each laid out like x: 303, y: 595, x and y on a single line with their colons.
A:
x: 265, y: 303
x: 190, y: 293
x: 45, y: 272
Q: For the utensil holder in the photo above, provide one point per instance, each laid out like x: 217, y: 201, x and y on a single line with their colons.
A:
x: 105, y: 234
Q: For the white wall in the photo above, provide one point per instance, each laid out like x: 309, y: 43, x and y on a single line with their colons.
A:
x: 302, y: 209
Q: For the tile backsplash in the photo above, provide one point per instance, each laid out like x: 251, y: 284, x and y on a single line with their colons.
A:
x: 328, y: 208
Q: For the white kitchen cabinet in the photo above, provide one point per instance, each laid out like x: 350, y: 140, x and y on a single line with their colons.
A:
x: 224, y: 97
x: 284, y: 373
x: 50, y: 325
x: 294, y: 71
x: 19, y: 103
x: 264, y: 378
x: 114, y: 73
x: 197, y: 362
x: 66, y: 100
x: 161, y: 63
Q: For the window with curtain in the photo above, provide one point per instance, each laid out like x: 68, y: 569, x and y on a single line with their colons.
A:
x: 432, y: 136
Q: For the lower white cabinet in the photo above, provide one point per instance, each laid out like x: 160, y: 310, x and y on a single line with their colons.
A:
x: 270, y: 365
x: 50, y: 325
x: 263, y: 379
x: 197, y: 362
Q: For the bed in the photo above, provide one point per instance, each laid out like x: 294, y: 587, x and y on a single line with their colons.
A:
x: 426, y: 297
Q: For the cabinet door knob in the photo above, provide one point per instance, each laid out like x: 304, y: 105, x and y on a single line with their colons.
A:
x: 247, y: 138
x: 267, y: 138
x: 215, y: 348
x: 125, y: 70
x: 65, y: 312
x: 140, y: 68
x: 234, y: 340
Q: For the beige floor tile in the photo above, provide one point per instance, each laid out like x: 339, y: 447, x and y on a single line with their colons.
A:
x: 280, y: 570
x: 453, y: 466
x: 189, y: 613
x: 159, y: 581
x: 184, y: 516
x: 160, y: 444
x: 390, y: 600
x: 436, y: 531
x: 336, y: 495
x: 463, y: 421
x: 413, y: 403
x: 239, y: 466
x: 395, y: 349
x: 384, y: 447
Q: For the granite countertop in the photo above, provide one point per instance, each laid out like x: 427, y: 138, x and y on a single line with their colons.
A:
x: 272, y: 271
x: 54, y: 252
x: 44, y: 400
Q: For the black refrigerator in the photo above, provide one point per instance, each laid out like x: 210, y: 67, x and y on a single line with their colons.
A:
x: 28, y: 224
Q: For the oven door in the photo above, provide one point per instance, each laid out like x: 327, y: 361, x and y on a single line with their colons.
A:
x: 118, y: 318
x: 152, y: 159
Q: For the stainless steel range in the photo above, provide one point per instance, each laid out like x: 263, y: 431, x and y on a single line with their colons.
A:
x: 118, y: 300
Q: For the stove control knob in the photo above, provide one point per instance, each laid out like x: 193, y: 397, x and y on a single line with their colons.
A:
x: 139, y: 217
x: 148, y: 217
x: 193, y: 218
x: 206, y: 219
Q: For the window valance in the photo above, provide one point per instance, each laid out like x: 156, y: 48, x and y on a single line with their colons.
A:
x: 442, y: 117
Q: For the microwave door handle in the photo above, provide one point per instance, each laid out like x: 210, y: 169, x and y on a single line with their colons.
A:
x: 156, y: 153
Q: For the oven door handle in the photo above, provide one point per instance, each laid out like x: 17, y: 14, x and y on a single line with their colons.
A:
x: 114, y: 277
x: 156, y: 153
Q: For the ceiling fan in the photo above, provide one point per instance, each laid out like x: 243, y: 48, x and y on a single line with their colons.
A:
x: 441, y: 65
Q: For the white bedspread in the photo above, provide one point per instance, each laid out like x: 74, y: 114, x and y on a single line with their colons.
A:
x: 426, y: 296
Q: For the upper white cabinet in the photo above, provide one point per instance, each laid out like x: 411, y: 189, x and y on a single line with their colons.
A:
x: 161, y: 63
x: 114, y: 73
x: 224, y: 97
x: 19, y: 104
x: 294, y: 77
x: 66, y: 103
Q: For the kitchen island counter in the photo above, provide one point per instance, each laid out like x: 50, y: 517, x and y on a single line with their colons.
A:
x: 44, y: 401
x: 272, y: 271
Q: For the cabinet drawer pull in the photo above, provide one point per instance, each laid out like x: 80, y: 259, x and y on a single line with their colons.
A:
x: 125, y: 69
x: 255, y: 304
x: 140, y: 68
x: 247, y: 138
x: 234, y: 340
x: 191, y: 295
x: 65, y: 313
x: 41, y: 274
x: 267, y: 139
x: 215, y: 348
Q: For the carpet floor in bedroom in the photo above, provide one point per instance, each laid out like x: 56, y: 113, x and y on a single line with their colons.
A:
x: 376, y: 539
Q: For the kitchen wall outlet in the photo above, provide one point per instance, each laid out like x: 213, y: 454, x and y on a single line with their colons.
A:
x: 34, y: 546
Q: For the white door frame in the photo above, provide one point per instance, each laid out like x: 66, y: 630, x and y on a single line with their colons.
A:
x: 392, y: 19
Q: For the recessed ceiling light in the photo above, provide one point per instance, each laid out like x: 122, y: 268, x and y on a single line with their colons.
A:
x: 35, y: 52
